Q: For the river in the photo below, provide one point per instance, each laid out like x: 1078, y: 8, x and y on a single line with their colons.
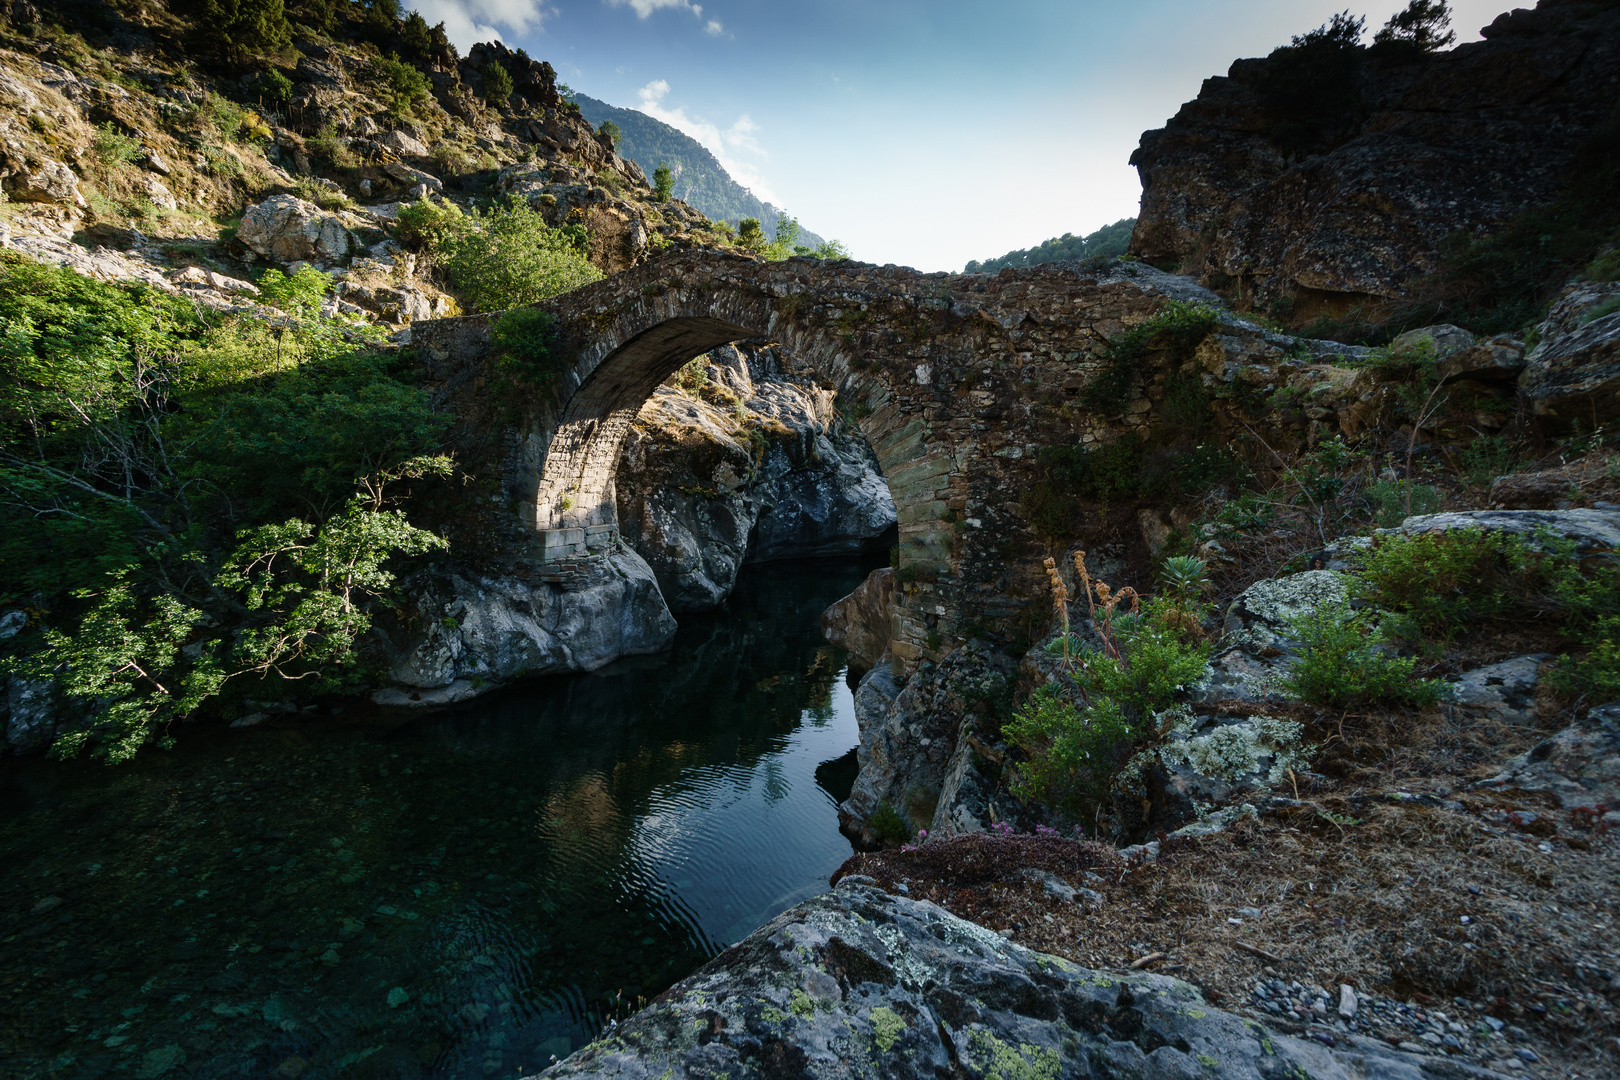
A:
x: 466, y: 894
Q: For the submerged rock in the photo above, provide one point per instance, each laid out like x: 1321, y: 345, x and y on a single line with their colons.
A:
x: 860, y: 983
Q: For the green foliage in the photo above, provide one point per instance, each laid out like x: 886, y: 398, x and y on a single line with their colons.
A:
x: 1176, y: 330
x: 1422, y: 25
x: 301, y: 294
x: 1443, y: 583
x: 1185, y: 578
x: 274, y: 87
x: 497, y: 84
x: 1078, y: 737
x: 146, y: 447
x: 1606, y: 267
x: 526, y: 339
x: 1342, y: 663
x: 1108, y: 241
x: 610, y: 129
x: 1602, y: 310
x: 1486, y: 458
x: 663, y: 182
x: 329, y: 147
x: 1310, y: 88
x: 238, y: 31
x: 750, y: 235
x: 402, y: 88
x: 426, y: 225
x: 1393, y: 501
x: 508, y: 257
x: 111, y: 148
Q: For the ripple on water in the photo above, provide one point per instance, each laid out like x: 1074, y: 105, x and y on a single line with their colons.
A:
x: 460, y: 895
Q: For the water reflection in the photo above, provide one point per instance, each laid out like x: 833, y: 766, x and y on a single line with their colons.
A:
x: 463, y: 895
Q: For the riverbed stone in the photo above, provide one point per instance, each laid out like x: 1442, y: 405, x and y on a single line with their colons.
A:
x: 861, y: 983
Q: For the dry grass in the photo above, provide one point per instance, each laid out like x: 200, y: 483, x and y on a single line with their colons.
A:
x: 1355, y: 884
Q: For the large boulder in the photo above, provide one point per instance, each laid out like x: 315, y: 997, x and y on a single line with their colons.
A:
x: 1257, y: 646
x: 862, y: 622
x: 286, y: 229
x: 860, y: 983
x: 30, y: 714
x: 47, y: 182
x: 468, y: 631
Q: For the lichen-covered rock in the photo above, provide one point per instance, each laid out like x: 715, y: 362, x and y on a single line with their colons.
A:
x: 1576, y: 376
x: 1496, y: 359
x: 30, y: 714
x: 1257, y: 647
x: 1580, y: 766
x: 469, y: 631
x: 1591, y: 530
x: 862, y: 622
x: 287, y: 229
x: 860, y: 983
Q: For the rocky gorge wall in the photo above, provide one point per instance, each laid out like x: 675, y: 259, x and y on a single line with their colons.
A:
x: 1429, y: 145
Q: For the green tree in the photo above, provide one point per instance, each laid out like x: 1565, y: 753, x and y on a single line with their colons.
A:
x: 403, y: 88
x: 239, y: 31
x: 1310, y: 86
x: 750, y: 235
x: 610, y: 129
x: 663, y: 182
x: 497, y: 84
x: 1424, y: 24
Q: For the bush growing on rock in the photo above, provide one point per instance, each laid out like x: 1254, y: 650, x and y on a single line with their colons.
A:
x: 497, y: 84
x: 509, y: 257
x: 1343, y: 662
x: 525, y: 337
x: 403, y: 89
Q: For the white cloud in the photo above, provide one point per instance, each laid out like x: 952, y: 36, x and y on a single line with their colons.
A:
x: 470, y: 21
x: 645, y: 8
x: 726, y: 144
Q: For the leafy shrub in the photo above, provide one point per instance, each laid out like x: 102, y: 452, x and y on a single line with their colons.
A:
x: 451, y: 160
x: 1598, y: 311
x: 888, y: 826
x: 328, y: 146
x: 1442, y: 583
x: 663, y: 182
x: 1342, y: 663
x: 1422, y: 25
x: 525, y: 337
x: 402, y: 88
x: 112, y: 148
x: 238, y: 31
x: 1606, y: 267
x: 497, y: 84
x: 301, y: 294
x: 274, y: 87
x: 610, y: 129
x: 426, y: 225
x: 509, y: 257
x: 750, y: 234
x: 1486, y: 458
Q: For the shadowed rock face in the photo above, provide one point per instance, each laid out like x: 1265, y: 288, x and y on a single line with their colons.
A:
x: 859, y: 983
x: 1451, y: 141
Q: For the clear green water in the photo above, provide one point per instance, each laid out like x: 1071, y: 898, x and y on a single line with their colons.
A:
x: 457, y: 895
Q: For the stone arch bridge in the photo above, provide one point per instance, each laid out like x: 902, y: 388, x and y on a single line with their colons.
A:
x: 955, y: 381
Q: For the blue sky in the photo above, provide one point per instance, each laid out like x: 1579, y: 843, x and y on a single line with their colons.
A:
x: 924, y: 134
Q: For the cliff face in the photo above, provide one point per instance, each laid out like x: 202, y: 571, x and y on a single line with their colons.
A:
x: 1428, y: 146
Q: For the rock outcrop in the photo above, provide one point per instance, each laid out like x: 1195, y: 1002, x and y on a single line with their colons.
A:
x: 1573, y: 373
x: 287, y: 229
x: 862, y: 983
x: 753, y: 464
x: 467, y: 632
x: 862, y: 622
x: 1419, y: 153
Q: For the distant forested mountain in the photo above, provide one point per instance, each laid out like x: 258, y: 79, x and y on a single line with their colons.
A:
x: 700, y: 179
x: 1112, y: 239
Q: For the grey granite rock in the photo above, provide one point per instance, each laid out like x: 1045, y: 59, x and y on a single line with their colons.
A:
x: 860, y: 983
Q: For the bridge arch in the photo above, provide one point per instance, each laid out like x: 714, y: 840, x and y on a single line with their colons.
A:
x: 954, y: 380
